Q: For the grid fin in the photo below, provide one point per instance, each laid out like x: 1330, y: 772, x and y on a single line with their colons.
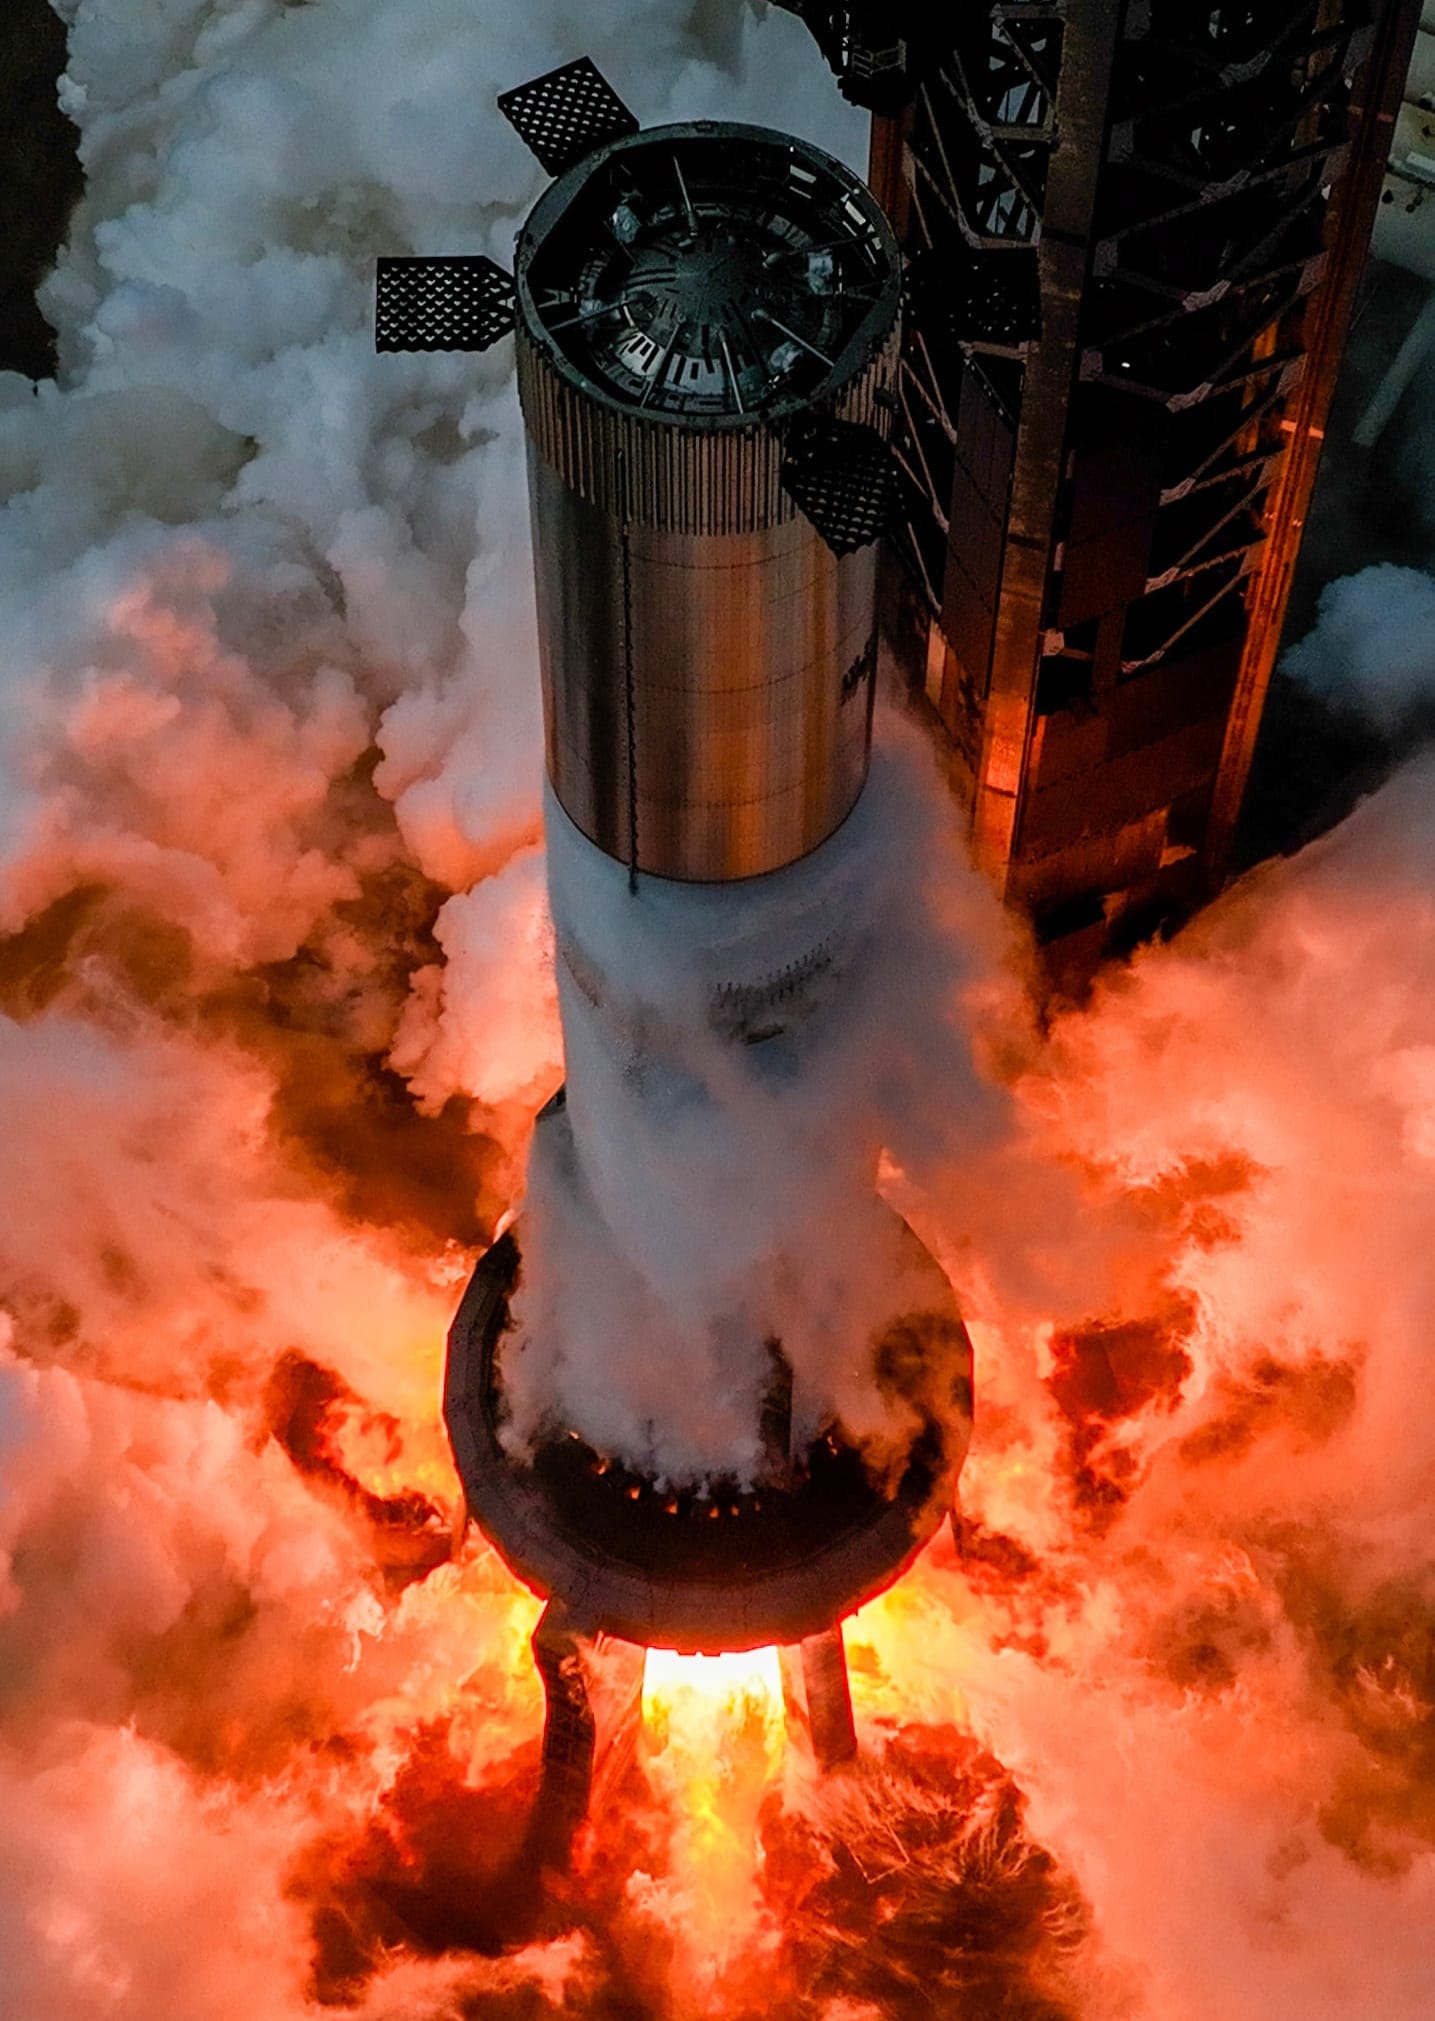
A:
x: 566, y: 113
x: 462, y: 304
x: 842, y: 475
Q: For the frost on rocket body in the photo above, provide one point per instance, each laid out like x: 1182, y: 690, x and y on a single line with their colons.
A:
x: 274, y: 1018
x: 737, y: 1057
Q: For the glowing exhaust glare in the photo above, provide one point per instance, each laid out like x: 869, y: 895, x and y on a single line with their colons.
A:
x: 726, y: 1681
x: 713, y: 1747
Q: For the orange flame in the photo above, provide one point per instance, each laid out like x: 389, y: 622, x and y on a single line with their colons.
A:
x: 714, y: 1746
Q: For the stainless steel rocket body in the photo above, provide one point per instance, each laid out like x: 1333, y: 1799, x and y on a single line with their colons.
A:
x: 683, y: 297
x: 710, y: 1391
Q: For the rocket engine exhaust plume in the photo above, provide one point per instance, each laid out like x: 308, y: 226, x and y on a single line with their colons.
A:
x: 1151, y: 1737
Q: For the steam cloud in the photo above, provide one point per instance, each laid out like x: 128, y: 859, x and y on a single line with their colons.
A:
x: 274, y: 1017
x: 1373, y: 648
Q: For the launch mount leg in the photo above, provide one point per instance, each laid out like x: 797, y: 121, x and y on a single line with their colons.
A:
x: 593, y: 1687
x: 817, y: 1698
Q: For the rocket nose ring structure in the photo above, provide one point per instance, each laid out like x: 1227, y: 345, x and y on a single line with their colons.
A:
x: 706, y: 321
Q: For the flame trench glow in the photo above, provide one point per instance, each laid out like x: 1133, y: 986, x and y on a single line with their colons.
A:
x: 252, y: 1690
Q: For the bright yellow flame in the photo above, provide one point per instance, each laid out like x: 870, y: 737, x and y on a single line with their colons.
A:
x: 722, y: 1680
x: 714, y: 1737
x: 908, y: 1650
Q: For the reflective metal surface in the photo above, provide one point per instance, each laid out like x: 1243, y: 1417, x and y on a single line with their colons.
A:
x: 749, y: 702
x: 708, y: 272
x: 684, y: 296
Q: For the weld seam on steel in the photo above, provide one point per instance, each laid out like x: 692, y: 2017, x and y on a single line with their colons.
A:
x: 629, y: 704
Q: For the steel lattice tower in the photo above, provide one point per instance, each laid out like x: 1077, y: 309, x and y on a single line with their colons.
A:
x: 1134, y: 232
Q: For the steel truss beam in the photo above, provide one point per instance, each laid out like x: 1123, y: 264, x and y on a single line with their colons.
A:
x: 1118, y: 357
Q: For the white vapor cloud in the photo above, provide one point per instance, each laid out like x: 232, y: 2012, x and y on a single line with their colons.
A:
x: 1372, y: 650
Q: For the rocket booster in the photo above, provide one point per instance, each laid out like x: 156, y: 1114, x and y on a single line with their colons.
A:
x: 706, y: 321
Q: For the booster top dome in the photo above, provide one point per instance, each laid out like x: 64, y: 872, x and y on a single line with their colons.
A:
x: 707, y: 275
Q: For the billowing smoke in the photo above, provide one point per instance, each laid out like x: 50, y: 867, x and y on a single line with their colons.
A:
x: 1372, y: 652
x: 1237, y: 1473
x: 275, y: 1014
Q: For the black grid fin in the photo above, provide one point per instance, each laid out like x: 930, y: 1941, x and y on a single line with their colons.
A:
x: 566, y: 113
x: 462, y: 304
x: 843, y: 476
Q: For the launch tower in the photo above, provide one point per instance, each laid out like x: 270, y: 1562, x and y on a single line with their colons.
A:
x: 1135, y: 230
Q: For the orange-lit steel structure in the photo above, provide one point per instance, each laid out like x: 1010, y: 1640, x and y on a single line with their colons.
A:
x: 1135, y: 230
